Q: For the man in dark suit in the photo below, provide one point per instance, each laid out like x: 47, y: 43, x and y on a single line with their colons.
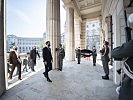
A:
x: 47, y: 59
x: 15, y: 61
x: 33, y: 55
x: 105, y: 59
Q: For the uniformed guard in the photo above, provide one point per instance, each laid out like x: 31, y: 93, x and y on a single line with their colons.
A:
x: 105, y: 59
x: 94, y: 55
x: 61, y: 56
x: 78, y: 55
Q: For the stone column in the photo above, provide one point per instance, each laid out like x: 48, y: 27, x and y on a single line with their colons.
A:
x: 2, y: 61
x: 70, y: 45
x: 102, y: 33
x: 83, y: 34
x: 53, y: 27
x: 77, y: 32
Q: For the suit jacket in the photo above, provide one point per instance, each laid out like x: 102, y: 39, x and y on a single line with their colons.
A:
x: 13, y: 58
x: 33, y: 55
x: 47, y: 56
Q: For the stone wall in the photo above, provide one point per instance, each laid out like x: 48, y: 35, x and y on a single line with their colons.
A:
x: 115, y: 9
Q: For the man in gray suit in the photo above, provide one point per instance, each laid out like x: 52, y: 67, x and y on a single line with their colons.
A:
x: 105, y: 59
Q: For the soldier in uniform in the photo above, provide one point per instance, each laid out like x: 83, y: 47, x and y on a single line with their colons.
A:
x: 78, y: 55
x: 105, y: 59
x: 94, y: 55
x: 125, y: 52
x: 61, y: 56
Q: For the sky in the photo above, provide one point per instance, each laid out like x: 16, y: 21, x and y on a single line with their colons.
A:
x: 27, y: 18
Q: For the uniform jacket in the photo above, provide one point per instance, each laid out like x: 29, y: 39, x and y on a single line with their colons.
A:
x: 104, y: 53
x: 125, y: 52
x: 61, y: 53
x: 94, y: 52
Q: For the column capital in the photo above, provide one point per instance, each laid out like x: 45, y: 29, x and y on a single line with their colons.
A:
x: 69, y: 5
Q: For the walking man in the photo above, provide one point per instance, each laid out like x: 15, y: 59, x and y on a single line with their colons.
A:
x: 47, y: 59
x: 33, y: 55
x: 14, y: 60
x: 61, y: 55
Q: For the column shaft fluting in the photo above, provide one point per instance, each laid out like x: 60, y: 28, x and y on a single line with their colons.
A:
x: 70, y: 41
x: 53, y: 27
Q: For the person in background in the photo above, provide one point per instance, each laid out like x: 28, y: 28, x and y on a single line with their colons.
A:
x: 94, y: 55
x: 105, y: 59
x: 33, y: 55
x: 47, y: 59
x: 61, y: 56
x: 25, y: 63
x: 78, y: 55
x: 76, y: 51
x: 15, y: 60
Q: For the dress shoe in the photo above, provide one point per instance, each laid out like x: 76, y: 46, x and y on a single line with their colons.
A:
x: 10, y: 78
x: 49, y: 80
x: 94, y: 64
x: 106, y: 77
x: 33, y: 70
x: 44, y: 74
x: 19, y: 78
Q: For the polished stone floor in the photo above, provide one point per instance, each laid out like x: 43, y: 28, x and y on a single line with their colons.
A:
x: 76, y: 82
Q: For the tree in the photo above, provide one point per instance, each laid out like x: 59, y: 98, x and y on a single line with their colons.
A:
x: 42, y: 44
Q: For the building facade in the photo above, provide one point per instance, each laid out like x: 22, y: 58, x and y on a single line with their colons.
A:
x: 23, y: 44
x: 93, y: 34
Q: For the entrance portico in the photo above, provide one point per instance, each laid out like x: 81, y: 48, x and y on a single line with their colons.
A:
x: 78, y: 13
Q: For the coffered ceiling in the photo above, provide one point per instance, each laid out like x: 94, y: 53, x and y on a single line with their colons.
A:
x: 85, y: 7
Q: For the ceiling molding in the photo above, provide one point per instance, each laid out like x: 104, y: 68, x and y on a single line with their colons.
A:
x: 76, y: 9
x: 92, y: 15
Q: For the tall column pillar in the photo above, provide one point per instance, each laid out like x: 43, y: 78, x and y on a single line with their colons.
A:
x: 77, y: 32
x: 53, y: 27
x: 70, y: 45
x: 2, y: 63
x: 83, y: 34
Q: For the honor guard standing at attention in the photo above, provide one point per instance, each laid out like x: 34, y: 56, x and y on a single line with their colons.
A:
x: 61, y: 56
